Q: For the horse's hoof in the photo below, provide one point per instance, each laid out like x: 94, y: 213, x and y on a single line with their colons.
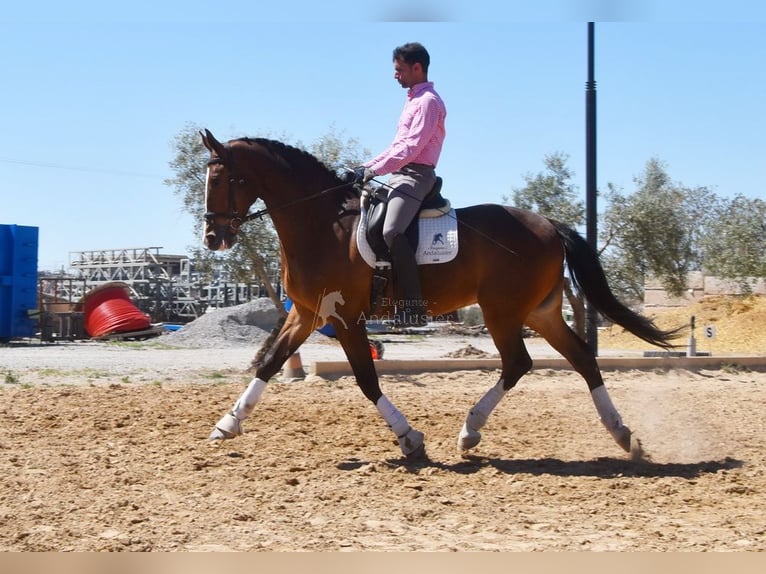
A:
x: 218, y: 434
x: 468, y: 438
x: 412, y: 443
x: 417, y: 454
x: 227, y: 428
x: 622, y: 437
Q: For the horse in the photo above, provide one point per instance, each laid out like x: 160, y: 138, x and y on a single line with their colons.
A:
x: 511, y: 262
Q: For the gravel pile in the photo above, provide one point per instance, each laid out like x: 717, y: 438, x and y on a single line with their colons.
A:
x: 468, y: 352
x: 242, y: 325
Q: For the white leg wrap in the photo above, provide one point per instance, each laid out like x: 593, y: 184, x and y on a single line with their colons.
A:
x: 392, y: 416
x: 230, y: 424
x: 245, y: 404
x: 609, y: 416
x: 410, y: 440
x: 469, y: 435
x: 479, y: 414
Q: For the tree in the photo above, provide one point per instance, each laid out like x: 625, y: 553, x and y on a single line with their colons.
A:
x: 338, y: 152
x: 552, y: 194
x: 661, y: 230
x: 189, y: 165
x: 653, y: 232
x: 735, y: 240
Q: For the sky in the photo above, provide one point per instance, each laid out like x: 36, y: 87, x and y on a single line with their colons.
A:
x: 94, y: 94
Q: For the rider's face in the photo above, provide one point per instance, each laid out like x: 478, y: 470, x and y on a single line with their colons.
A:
x: 407, y: 75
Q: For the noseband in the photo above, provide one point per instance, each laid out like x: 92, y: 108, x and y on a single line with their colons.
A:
x: 234, y: 217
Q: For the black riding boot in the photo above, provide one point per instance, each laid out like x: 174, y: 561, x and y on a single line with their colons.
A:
x: 411, y: 312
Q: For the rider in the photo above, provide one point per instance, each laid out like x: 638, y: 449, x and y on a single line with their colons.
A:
x: 411, y: 160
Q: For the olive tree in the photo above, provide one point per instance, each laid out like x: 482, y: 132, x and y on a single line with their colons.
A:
x: 654, y: 232
x: 734, y: 241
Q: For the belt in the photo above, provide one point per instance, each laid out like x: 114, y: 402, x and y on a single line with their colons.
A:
x: 420, y: 165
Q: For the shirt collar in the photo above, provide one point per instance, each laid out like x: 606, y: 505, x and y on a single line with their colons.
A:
x: 418, y: 89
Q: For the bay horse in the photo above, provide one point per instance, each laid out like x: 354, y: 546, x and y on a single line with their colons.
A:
x: 510, y: 261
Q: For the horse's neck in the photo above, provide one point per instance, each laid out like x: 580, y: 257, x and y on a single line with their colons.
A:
x: 310, y: 227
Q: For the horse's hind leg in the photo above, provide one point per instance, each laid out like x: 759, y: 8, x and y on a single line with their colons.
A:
x: 516, y: 362
x: 549, y: 323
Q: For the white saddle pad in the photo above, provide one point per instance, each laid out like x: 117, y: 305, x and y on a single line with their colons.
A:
x: 437, y: 243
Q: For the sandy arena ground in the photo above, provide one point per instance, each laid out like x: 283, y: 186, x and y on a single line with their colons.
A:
x: 103, y: 447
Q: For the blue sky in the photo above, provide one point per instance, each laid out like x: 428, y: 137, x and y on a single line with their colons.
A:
x: 94, y: 95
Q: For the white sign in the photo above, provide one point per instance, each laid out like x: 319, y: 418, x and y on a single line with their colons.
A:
x: 709, y: 332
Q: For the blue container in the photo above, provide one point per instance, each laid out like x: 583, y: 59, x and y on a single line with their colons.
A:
x: 18, y: 281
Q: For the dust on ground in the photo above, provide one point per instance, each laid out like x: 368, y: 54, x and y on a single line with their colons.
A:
x: 116, y: 458
x: 127, y: 467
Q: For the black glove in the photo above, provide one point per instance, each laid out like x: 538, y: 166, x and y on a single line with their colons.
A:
x: 362, y: 175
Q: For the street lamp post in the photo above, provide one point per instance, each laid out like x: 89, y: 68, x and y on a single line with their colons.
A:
x: 591, y: 318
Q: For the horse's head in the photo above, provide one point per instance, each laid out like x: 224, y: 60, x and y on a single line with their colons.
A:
x: 244, y: 170
x: 337, y: 298
x: 226, y: 203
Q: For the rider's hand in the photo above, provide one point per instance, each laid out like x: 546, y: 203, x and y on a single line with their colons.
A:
x: 362, y: 175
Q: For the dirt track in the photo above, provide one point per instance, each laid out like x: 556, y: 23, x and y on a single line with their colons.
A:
x: 110, y: 462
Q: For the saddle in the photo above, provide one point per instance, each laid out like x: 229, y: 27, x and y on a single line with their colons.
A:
x: 433, y: 205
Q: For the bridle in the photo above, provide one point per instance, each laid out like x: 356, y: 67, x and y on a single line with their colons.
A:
x: 234, y: 217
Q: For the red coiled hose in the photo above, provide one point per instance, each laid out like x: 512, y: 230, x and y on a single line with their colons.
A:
x: 108, y: 310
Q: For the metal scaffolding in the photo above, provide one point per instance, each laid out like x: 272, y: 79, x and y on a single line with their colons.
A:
x: 166, y: 287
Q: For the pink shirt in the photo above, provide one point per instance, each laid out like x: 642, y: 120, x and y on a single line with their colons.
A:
x: 419, y: 135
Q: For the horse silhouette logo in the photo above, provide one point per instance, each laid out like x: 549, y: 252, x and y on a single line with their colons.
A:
x: 326, y: 309
x: 438, y: 238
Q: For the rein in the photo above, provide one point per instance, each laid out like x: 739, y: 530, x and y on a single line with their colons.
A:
x: 235, y: 220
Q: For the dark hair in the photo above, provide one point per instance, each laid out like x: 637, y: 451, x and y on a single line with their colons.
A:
x: 413, y: 53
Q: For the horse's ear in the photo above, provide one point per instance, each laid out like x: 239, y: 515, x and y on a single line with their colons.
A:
x: 213, y: 145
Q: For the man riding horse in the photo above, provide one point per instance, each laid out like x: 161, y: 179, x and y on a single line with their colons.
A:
x: 411, y: 160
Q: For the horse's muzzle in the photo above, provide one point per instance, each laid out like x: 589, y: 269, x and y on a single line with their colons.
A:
x: 219, y: 239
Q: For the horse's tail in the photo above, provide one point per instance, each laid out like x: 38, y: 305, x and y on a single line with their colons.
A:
x: 588, y: 277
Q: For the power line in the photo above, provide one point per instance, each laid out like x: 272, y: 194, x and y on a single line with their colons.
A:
x: 78, y: 168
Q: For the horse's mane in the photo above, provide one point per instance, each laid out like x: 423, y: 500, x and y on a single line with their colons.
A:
x: 296, y: 158
x: 303, y: 161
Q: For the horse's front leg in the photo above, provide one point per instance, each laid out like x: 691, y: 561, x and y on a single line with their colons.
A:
x: 292, y: 334
x: 357, y: 347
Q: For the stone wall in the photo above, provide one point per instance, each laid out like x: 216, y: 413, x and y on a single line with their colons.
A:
x: 699, y: 287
